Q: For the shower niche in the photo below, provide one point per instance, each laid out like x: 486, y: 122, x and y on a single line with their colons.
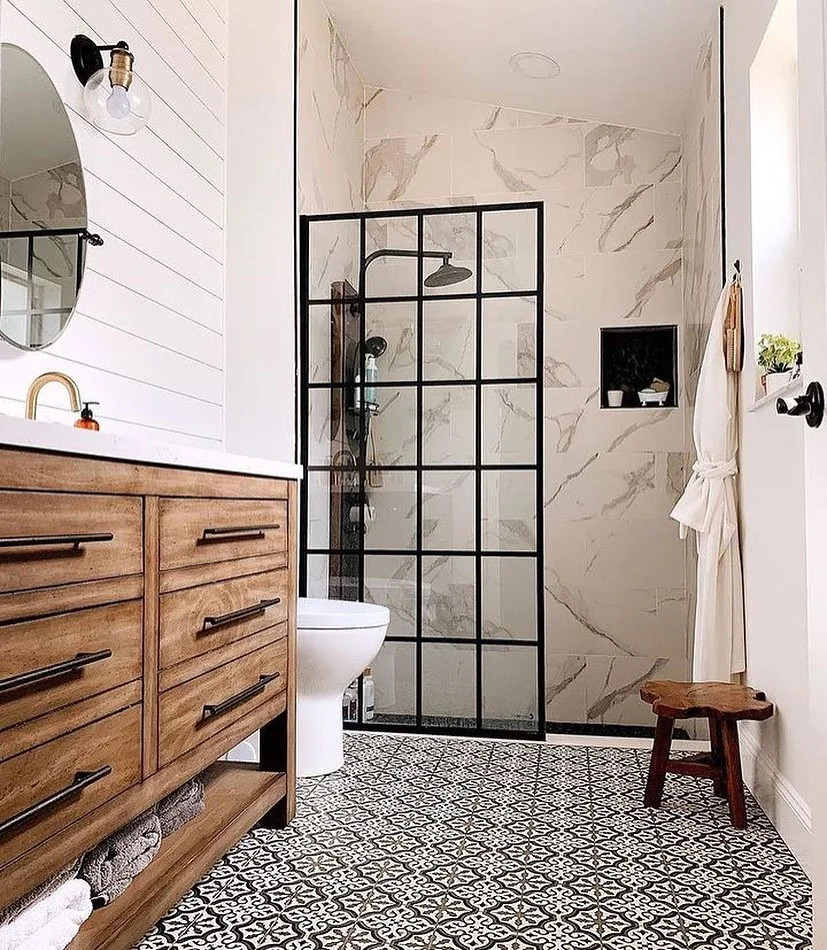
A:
x: 632, y: 358
x: 421, y: 346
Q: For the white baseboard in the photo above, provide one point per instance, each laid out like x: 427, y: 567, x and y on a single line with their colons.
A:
x: 782, y: 803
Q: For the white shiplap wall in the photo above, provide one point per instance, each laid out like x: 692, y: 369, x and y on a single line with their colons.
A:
x: 147, y: 339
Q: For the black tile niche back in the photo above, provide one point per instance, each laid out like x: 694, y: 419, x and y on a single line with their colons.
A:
x: 632, y: 357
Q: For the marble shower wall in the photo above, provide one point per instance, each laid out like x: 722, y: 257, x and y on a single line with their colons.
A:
x: 702, y: 207
x: 330, y: 146
x: 331, y: 126
x: 617, y: 606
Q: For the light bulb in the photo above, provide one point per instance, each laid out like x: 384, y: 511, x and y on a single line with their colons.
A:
x: 117, y: 105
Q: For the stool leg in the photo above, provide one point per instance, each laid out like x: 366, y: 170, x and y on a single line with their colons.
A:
x: 719, y: 785
x: 734, y: 779
x: 658, y: 762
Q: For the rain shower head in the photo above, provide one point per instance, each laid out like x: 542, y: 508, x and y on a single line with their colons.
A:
x: 446, y: 275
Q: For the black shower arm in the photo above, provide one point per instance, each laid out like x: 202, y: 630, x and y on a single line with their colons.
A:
x: 393, y: 252
x: 445, y: 256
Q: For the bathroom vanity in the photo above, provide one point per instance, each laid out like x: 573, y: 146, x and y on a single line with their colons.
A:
x: 147, y: 626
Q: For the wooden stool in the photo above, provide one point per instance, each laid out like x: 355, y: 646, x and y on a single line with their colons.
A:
x: 723, y: 704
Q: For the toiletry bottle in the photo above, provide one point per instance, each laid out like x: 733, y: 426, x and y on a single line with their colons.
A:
x: 87, y: 420
x: 368, y: 694
x: 371, y: 379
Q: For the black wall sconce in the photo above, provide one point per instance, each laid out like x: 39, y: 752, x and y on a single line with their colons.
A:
x: 117, y: 100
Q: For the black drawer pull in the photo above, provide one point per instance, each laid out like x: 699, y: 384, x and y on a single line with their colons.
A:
x: 52, y: 540
x: 244, y: 533
x: 244, y: 613
x: 81, y: 781
x: 210, y: 712
x: 56, y: 669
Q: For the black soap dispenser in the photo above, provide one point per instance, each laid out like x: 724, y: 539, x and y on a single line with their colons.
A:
x: 87, y: 420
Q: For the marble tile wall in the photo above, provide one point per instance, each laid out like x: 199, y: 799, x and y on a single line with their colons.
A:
x: 702, y: 206
x: 617, y: 604
x: 330, y: 144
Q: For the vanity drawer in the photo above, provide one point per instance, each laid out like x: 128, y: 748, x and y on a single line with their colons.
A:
x: 49, y: 663
x: 195, y: 711
x: 201, y: 619
x: 48, y: 539
x: 46, y: 789
x: 206, y: 530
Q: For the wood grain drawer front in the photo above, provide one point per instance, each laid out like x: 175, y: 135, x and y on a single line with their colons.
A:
x: 206, y: 530
x: 49, y: 539
x: 46, y: 789
x: 49, y: 663
x: 199, y: 709
x: 201, y: 619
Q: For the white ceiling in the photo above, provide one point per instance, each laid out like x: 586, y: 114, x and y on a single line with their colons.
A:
x: 627, y: 62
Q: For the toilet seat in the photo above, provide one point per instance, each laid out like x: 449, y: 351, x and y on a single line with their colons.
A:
x: 317, y: 614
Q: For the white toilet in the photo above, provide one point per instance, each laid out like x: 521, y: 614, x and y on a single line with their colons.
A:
x: 336, y: 640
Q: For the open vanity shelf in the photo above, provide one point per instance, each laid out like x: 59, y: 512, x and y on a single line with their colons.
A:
x: 236, y: 796
x: 176, y: 587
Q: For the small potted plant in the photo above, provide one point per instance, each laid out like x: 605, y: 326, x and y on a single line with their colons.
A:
x: 778, y: 356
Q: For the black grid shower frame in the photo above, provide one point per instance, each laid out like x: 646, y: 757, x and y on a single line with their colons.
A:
x: 479, y: 383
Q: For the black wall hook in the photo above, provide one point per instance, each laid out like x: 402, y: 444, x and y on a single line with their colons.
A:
x: 810, y: 405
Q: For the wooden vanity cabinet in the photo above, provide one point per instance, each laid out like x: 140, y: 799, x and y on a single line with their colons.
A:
x: 147, y: 626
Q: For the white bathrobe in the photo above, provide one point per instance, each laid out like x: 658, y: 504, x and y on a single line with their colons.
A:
x: 709, y: 507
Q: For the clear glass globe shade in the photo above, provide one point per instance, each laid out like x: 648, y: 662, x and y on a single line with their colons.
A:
x: 115, y: 109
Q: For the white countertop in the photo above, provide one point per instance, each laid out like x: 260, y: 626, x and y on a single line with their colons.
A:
x: 53, y: 437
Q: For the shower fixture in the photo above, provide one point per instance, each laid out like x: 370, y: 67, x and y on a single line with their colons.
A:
x: 444, y: 276
x: 376, y: 346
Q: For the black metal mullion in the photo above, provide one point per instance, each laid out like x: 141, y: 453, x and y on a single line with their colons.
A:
x: 413, y: 298
x: 420, y: 290
x: 540, y: 466
x: 478, y: 477
x: 304, y: 394
x: 437, y: 383
x: 406, y: 213
x: 466, y: 641
x: 411, y: 552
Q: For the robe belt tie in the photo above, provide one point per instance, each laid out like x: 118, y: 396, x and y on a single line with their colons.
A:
x: 712, y: 471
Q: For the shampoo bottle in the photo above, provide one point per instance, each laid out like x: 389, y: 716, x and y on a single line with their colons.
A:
x: 368, y: 694
x: 371, y: 378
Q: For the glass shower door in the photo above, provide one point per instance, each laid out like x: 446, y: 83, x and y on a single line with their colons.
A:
x: 423, y: 488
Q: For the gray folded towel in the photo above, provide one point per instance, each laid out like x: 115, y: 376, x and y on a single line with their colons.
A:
x: 14, y: 910
x: 110, y: 867
x: 181, y: 806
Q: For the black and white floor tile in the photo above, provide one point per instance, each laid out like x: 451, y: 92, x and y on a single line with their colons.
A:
x: 424, y: 843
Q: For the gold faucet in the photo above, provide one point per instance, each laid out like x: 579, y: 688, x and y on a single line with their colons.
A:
x: 43, y: 380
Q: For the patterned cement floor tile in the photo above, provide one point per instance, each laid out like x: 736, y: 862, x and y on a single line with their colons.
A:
x: 422, y: 843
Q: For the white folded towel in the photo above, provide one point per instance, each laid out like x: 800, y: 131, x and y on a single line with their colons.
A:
x: 51, y: 923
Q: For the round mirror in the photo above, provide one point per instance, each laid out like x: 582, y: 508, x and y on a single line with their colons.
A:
x: 43, y: 236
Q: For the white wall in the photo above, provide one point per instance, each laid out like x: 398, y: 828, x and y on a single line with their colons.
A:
x: 774, y: 157
x: 148, y: 338
x: 772, y: 495
x: 261, y: 366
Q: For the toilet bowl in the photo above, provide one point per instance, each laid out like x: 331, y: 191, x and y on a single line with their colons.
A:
x: 336, y: 640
